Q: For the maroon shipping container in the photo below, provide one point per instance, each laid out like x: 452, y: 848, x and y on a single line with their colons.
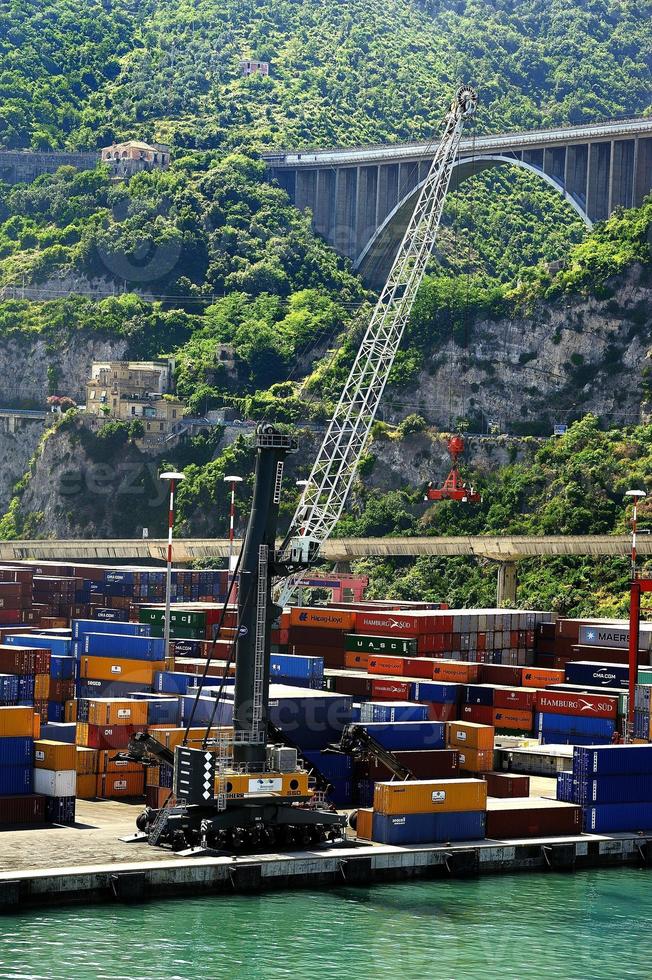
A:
x: 352, y: 682
x: 423, y: 763
x: 16, y: 810
x: 514, y: 697
x: 315, y: 636
x: 506, y: 785
x: 11, y: 589
x: 332, y: 657
x: 9, y: 617
x: 607, y: 655
x: 500, y: 674
x: 23, y: 660
x: 532, y: 817
x: 23, y: 575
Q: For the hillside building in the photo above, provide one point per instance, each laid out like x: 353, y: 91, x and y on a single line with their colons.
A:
x: 250, y: 67
x: 135, y: 390
x: 126, y: 159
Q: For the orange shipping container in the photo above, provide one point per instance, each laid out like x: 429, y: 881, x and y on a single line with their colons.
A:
x: 469, y: 734
x: 171, y: 737
x: 41, y: 687
x: 18, y: 722
x: 119, y: 669
x: 86, y: 763
x: 152, y: 775
x: 364, y: 822
x: 455, y: 672
x: 113, y: 785
x: 87, y: 786
x: 114, y: 711
x: 330, y: 619
x: 356, y: 661
x: 431, y: 796
x: 541, y: 677
x: 514, y: 719
x: 54, y: 755
x: 107, y: 762
x: 476, y: 760
x: 389, y: 666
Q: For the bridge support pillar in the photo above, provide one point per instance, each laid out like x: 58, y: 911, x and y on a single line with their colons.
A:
x: 506, y: 593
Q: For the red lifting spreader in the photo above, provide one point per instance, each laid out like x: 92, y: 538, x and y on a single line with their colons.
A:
x: 454, y: 487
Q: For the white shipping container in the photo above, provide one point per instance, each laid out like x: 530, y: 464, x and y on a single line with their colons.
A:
x: 51, y: 782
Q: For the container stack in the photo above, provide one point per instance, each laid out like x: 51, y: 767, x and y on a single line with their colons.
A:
x: 474, y: 743
x: 15, y: 595
x: 429, y: 811
x: 18, y: 804
x: 613, y: 785
x: 55, y: 778
x: 569, y: 718
x: 642, y: 712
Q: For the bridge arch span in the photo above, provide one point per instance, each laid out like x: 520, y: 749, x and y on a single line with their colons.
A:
x: 374, y: 261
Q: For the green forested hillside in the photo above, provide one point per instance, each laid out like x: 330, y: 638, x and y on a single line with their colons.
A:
x: 340, y: 72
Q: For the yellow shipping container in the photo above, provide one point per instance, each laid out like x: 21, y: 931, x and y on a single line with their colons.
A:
x: 266, y: 784
x: 431, y: 795
x: 54, y: 755
x: 19, y: 723
x: 114, y: 711
x: 469, y: 734
x: 86, y: 762
x: 81, y: 733
x: 119, y: 669
x: 86, y: 786
x: 41, y: 687
x: 476, y: 760
x: 364, y: 824
x: 152, y: 775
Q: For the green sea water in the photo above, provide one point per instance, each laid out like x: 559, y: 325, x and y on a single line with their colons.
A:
x: 587, y: 926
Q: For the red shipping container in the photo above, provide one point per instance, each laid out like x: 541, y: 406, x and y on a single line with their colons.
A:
x: 434, y: 643
x: 482, y: 714
x: 390, y: 690
x: 534, y: 817
x: 441, y: 712
x: 589, y: 705
x: 514, y: 697
x: 315, y: 636
x: 24, y: 660
x: 395, y: 623
x: 430, y: 763
x: 110, y: 737
x: 418, y: 667
x: 354, y: 683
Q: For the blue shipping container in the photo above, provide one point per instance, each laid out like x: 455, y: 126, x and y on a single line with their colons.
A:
x: 60, y: 731
x: 56, y: 711
x: 393, y: 711
x: 90, y: 688
x: 62, y: 668
x: 55, y: 644
x: 332, y: 765
x: 9, y: 688
x: 16, y: 780
x: 631, y: 788
x: 205, y: 711
x: 565, y: 787
x: 597, y: 675
x: 612, y: 760
x: 80, y: 627
x: 16, y: 751
x: 427, y: 828
x: 479, y: 694
x: 130, y: 647
x: 341, y: 793
x: 172, y: 682
x: 60, y: 809
x: 611, y: 817
x: 574, y: 725
x: 436, y: 692
x: 405, y: 735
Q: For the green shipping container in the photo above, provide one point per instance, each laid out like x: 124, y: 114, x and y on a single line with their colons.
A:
x: 379, y: 644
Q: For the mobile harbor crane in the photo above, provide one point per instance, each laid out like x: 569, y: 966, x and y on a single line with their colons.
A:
x: 244, y: 791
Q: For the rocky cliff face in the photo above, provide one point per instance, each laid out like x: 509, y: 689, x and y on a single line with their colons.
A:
x: 565, y: 358
x: 16, y: 450
x: 34, y: 366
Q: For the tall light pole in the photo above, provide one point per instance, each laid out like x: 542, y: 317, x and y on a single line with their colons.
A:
x: 302, y: 484
x: 172, y: 478
x: 233, y: 480
x: 634, y: 617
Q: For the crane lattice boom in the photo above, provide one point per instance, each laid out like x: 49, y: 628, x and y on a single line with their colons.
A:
x: 334, y: 469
